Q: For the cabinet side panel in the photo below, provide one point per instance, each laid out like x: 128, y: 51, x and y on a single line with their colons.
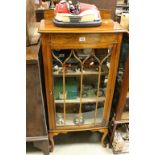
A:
x: 112, y: 78
x: 48, y: 76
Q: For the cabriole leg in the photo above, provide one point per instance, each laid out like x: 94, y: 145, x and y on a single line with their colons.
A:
x: 51, y: 143
x: 105, y: 132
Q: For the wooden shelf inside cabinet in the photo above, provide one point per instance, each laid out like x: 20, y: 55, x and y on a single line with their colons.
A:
x: 108, y: 36
x: 84, y: 100
x: 79, y: 73
x: 86, y: 72
x: 88, y: 120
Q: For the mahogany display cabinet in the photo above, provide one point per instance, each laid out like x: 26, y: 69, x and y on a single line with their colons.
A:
x: 80, y: 67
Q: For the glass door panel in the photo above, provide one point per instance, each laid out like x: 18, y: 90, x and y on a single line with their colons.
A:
x: 80, y: 78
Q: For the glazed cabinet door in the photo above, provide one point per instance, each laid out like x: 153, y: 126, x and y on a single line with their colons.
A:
x: 80, y: 79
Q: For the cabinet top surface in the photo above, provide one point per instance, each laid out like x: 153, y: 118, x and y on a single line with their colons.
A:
x: 107, y: 26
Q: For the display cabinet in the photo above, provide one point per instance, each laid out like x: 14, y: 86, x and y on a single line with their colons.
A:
x: 80, y: 67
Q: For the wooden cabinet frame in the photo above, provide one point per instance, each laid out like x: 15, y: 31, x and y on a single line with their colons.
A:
x: 108, y: 35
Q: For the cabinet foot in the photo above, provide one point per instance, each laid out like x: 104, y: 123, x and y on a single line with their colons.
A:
x: 51, y: 143
x: 105, y: 132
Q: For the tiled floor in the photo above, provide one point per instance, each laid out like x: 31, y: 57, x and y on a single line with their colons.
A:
x: 77, y: 143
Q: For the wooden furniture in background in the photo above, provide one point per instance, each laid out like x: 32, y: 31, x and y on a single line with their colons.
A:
x: 40, y: 8
x: 122, y: 6
x: 121, y: 117
x: 123, y: 93
x: 30, y: 18
x: 107, y: 36
x: 36, y: 128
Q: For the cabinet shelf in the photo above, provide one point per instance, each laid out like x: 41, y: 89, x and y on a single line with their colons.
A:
x: 79, y: 73
x: 87, y: 116
x: 85, y: 72
x: 84, y: 100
